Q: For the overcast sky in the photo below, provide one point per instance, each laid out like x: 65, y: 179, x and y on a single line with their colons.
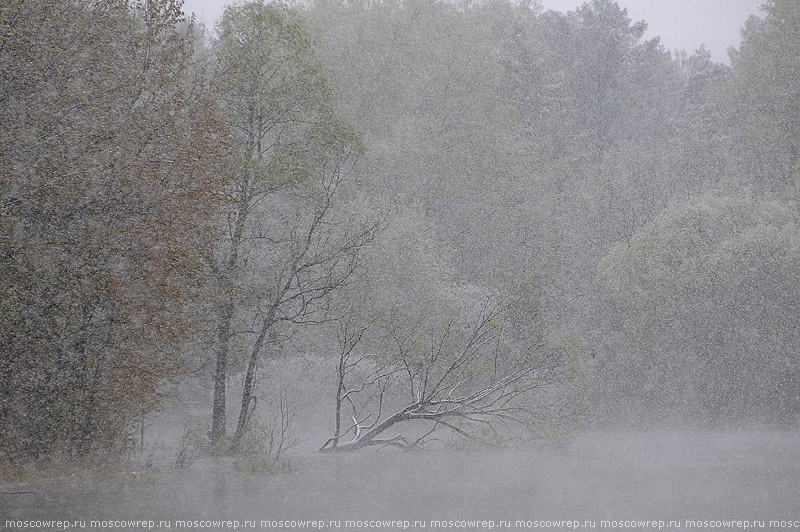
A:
x: 686, y: 24
x: 681, y: 24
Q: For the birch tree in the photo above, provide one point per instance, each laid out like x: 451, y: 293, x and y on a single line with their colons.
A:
x: 289, y: 242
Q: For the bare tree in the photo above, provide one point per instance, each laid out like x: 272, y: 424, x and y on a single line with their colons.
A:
x: 357, y: 375
x: 280, y: 431
x: 494, y: 377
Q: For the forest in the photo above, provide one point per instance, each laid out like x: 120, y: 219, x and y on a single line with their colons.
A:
x: 402, y: 223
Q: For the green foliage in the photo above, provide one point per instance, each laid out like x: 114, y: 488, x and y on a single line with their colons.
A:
x: 276, y: 94
x: 291, y: 240
x: 708, y: 294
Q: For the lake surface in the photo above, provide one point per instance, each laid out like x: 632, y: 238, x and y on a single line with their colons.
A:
x: 621, y: 477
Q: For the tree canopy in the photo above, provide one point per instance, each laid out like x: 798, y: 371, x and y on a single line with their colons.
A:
x: 110, y: 185
x: 708, y: 294
x: 340, y: 200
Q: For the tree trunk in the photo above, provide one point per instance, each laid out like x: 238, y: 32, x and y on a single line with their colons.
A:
x: 225, y: 319
x: 250, y: 376
x: 88, y: 428
x: 370, y: 437
x: 220, y: 374
x: 339, y: 395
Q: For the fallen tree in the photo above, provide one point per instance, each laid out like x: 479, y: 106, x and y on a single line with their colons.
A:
x: 490, y: 378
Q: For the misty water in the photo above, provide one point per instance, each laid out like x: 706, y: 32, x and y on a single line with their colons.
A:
x: 658, y: 475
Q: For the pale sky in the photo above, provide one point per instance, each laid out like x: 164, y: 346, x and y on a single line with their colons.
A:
x: 686, y: 24
x: 681, y: 24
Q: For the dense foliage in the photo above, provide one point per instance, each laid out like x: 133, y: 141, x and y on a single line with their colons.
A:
x: 348, y: 181
x: 709, y: 290
x: 111, y: 162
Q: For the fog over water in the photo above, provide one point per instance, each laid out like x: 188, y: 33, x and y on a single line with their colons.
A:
x: 731, y: 475
x: 364, y: 265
